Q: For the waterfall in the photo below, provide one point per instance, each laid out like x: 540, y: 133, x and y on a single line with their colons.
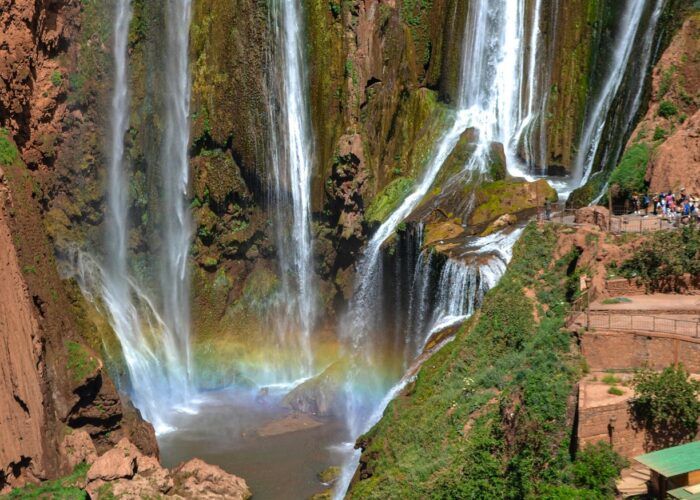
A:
x: 598, y: 114
x: 292, y: 161
x: 153, y: 334
x: 174, y: 163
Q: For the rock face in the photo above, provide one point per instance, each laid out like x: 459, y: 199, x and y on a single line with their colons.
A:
x: 23, y: 443
x: 673, y: 118
x: 124, y: 472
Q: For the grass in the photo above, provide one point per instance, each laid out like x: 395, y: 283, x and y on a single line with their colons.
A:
x: 617, y: 300
x: 65, y: 488
x: 610, y: 379
x: 615, y: 391
x: 80, y: 362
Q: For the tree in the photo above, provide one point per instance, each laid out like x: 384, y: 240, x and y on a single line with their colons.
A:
x: 666, y: 403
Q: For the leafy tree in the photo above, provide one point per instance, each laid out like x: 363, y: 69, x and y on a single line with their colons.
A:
x: 665, y: 258
x: 667, y: 403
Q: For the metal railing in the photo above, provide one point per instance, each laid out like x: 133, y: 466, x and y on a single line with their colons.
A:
x: 579, y: 307
x: 622, y: 224
x: 615, y: 320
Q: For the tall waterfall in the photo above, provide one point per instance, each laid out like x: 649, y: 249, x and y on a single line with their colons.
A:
x: 174, y: 163
x: 598, y: 114
x: 153, y: 332
x: 292, y: 160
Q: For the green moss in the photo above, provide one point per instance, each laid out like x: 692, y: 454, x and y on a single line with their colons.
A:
x: 80, y: 362
x: 65, y: 488
x: 389, y: 199
x: 8, y: 150
x: 494, y: 199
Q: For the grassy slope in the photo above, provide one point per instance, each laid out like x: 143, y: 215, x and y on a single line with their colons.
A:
x: 487, y: 416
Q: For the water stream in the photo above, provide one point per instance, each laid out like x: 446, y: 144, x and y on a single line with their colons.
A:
x: 292, y: 160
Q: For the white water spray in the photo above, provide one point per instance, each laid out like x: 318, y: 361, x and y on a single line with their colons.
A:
x: 292, y: 160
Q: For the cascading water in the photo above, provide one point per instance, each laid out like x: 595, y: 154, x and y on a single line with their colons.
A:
x: 598, y: 113
x: 153, y: 334
x: 174, y: 163
x: 292, y: 159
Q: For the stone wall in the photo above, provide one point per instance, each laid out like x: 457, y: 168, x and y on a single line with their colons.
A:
x: 612, y: 424
x: 620, y: 287
x: 622, y: 351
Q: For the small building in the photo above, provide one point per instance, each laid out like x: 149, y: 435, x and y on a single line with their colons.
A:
x: 675, y: 472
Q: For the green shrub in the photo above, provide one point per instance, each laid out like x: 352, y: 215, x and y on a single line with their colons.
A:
x: 660, y: 133
x: 596, y: 468
x: 665, y: 258
x: 56, y: 78
x: 667, y: 109
x: 667, y: 401
x: 615, y: 391
x: 8, y: 150
x: 628, y: 176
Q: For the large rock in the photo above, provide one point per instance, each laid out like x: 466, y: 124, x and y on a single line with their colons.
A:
x: 117, y: 463
x: 597, y: 216
x: 198, y: 479
x: 319, y: 395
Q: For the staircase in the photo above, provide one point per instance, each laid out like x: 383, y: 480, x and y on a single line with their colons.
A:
x: 634, y: 481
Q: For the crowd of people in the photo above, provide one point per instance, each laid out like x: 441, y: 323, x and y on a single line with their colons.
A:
x: 670, y: 205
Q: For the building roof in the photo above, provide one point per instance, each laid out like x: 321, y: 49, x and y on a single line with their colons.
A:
x: 685, y: 493
x: 673, y: 461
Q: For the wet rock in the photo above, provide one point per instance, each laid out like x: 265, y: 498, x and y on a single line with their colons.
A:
x: 319, y: 395
x: 504, y: 220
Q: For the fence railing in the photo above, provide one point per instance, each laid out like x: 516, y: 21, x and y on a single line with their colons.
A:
x: 638, y: 225
x: 615, y: 320
x: 579, y: 307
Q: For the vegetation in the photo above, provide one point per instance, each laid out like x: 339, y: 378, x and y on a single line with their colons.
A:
x: 389, y: 199
x: 628, y: 177
x: 8, y: 150
x: 80, y: 362
x: 615, y: 391
x: 667, y: 109
x: 487, y: 415
x: 66, y: 488
x: 597, y: 467
x: 667, y: 401
x: 665, y: 258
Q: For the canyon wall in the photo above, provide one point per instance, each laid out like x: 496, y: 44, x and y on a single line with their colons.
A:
x: 54, y: 382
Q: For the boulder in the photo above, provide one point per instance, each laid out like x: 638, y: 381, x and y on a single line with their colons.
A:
x: 319, y: 395
x: 198, y: 479
x: 78, y: 447
x: 117, y: 463
x: 596, y: 216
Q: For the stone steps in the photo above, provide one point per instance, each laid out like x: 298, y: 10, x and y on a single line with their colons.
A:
x: 634, y: 481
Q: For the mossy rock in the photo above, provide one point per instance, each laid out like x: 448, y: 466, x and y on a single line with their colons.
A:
x: 389, y: 199
x: 498, y: 198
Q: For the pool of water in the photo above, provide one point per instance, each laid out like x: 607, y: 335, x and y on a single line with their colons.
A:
x: 277, y: 452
